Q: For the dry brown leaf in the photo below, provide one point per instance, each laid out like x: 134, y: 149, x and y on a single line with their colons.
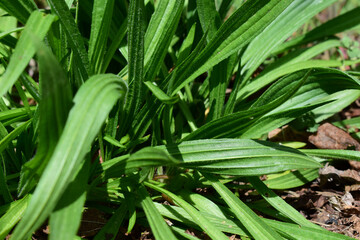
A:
x: 331, y: 174
x: 330, y: 137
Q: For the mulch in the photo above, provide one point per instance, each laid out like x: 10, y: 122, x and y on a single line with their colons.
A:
x: 333, y: 200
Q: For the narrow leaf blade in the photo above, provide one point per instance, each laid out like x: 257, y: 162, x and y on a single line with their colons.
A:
x: 93, y: 102
x: 37, y: 25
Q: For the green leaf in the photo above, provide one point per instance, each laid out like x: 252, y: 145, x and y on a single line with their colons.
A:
x: 31, y: 86
x: 292, y: 231
x: 4, y: 188
x: 270, y: 122
x: 113, y: 141
x: 111, y: 168
x: 202, y: 203
x: 12, y: 135
x: 291, y: 82
x: 23, y: 97
x: 225, y: 7
x: 217, y: 88
x: 159, y: 34
x: 9, y: 41
x: 186, y: 45
x: 295, y: 15
x: 180, y: 215
x: 153, y: 107
x: 264, y: 79
x: 204, y: 223
x: 56, y: 102
x: 303, y: 54
x: 93, y: 103
x: 242, y: 26
x: 183, y: 233
x: 209, y: 17
x: 136, y: 62
x: 10, y: 152
x: 130, y: 202
x: 66, y: 219
x: 14, y: 113
x: 288, y: 230
x: 7, y: 33
x: 210, y: 20
x: 352, y: 123
x: 291, y: 179
x: 100, y: 28
x: 339, y: 24
x: 158, y: 225
x: 69, y: 3
x: 37, y: 26
x: 110, y: 230
x: 333, y: 154
x: 149, y: 157
x: 340, y: 100
x: 253, y: 223
x: 279, y: 204
x: 232, y: 125
x: 332, y: 85
x: 265, y: 208
x: 74, y: 37
x: 21, y: 9
x: 13, y: 215
x: 238, y: 156
x: 159, y: 94
x: 120, y: 34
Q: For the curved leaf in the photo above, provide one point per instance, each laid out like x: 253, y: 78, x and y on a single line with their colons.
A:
x: 303, y: 54
x: 37, y: 26
x: 339, y: 24
x: 4, y: 34
x: 12, y: 135
x: 93, y: 103
x: 54, y: 108
x: 295, y: 15
x: 324, y: 84
x: 264, y: 79
x: 21, y: 9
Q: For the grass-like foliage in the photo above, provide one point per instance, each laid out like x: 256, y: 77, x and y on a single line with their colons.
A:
x: 133, y: 102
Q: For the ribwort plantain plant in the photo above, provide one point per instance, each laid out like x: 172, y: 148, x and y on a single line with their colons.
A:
x: 133, y: 102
